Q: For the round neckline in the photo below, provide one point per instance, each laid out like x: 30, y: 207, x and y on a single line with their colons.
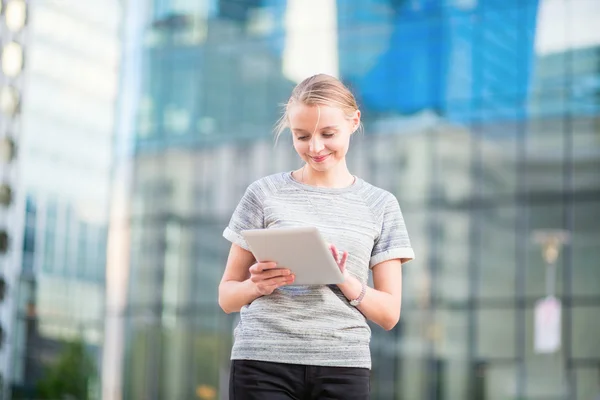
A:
x: 321, y: 189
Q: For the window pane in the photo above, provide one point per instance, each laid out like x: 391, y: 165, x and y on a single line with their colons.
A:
x: 586, y: 326
x: 451, y: 334
x: 455, y: 379
x: 449, y: 234
x: 586, y: 147
x: 498, y: 152
x: 414, y: 378
x: 545, y: 155
x: 498, y: 262
x: 585, y: 242
x: 496, y: 334
x: 587, y: 383
x: 500, y: 382
x: 546, y: 377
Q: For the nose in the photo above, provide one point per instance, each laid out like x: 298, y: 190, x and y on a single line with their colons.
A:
x: 315, y: 144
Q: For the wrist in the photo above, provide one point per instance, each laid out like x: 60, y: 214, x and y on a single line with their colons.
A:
x: 351, y: 288
x: 253, y: 289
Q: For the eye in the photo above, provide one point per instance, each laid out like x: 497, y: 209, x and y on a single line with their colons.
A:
x: 302, y: 137
x: 328, y: 135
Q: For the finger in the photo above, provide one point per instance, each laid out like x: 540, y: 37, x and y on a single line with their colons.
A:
x: 267, y: 265
x: 261, y: 266
x: 335, y: 253
x: 265, y: 277
x: 274, y: 280
x: 287, y: 282
x: 274, y: 273
x: 277, y: 282
x: 268, y: 275
x: 255, y: 268
x: 344, y: 258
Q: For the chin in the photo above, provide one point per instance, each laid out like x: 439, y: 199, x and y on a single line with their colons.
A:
x: 320, y: 167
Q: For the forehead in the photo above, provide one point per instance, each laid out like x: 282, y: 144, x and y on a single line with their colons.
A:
x: 302, y: 116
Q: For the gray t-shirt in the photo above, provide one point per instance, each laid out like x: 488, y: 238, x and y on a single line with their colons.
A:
x: 316, y: 325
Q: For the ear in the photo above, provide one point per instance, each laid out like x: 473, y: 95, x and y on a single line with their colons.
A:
x: 355, y: 121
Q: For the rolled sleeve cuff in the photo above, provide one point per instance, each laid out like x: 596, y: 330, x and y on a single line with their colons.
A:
x: 236, y: 238
x: 404, y: 254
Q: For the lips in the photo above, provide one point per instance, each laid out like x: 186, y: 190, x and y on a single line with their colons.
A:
x: 320, y: 158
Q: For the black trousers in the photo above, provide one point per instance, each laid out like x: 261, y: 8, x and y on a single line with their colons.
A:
x: 260, y: 380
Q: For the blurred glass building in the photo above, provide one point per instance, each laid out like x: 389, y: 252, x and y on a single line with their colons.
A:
x: 65, y: 116
x: 481, y: 116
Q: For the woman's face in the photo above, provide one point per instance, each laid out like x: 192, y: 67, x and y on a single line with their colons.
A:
x: 321, y: 134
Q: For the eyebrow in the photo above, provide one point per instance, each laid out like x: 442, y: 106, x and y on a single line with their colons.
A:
x: 322, y: 129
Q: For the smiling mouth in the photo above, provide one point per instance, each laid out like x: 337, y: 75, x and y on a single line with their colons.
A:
x: 321, y: 158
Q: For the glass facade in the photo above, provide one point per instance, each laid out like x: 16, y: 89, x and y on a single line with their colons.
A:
x: 65, y: 160
x: 481, y: 116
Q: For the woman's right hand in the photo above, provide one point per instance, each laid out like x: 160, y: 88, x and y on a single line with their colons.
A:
x: 267, y: 277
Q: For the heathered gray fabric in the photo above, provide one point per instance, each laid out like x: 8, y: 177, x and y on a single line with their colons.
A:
x: 316, y: 325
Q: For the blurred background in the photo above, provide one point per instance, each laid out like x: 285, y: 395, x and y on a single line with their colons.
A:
x: 130, y: 129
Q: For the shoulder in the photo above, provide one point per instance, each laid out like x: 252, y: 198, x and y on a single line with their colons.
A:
x: 267, y: 185
x: 377, y: 198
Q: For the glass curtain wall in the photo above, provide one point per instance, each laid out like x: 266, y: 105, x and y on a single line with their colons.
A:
x: 482, y: 117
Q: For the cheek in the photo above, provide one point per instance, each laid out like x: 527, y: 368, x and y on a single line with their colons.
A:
x: 300, y: 147
x: 340, y: 144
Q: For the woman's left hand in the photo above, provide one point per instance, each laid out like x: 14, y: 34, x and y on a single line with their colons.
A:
x: 340, y: 260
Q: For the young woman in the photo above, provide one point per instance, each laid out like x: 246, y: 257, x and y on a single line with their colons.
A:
x: 312, y: 342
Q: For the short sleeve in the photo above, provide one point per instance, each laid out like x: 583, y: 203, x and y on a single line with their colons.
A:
x: 247, y: 215
x: 393, y: 241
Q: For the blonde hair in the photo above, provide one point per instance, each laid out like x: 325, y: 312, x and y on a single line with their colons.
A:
x: 320, y: 89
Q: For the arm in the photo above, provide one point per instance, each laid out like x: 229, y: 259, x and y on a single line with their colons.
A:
x: 244, y: 280
x: 381, y: 304
x: 391, y: 249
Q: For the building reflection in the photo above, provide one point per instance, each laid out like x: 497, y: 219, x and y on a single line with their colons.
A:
x: 482, y: 136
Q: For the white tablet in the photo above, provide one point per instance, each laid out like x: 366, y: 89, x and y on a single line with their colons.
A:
x: 301, y: 250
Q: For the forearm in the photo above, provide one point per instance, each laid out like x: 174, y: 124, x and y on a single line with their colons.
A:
x: 377, y: 306
x: 233, y: 295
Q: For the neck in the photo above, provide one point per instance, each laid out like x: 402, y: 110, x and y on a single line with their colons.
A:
x: 338, y: 177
